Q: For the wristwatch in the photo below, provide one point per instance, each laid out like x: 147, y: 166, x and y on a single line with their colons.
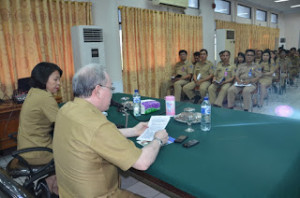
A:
x: 159, y: 140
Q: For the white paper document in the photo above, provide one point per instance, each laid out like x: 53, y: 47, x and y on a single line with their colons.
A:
x: 156, y: 123
x: 242, y: 85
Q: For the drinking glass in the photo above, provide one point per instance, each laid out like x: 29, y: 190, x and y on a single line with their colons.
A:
x: 124, y: 103
x: 189, y: 113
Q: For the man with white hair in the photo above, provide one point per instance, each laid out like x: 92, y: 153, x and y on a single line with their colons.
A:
x: 89, y: 149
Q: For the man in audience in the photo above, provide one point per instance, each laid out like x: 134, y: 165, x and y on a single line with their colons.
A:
x: 196, y: 58
x: 246, y: 76
x: 203, y: 73
x: 181, y: 76
x: 222, y: 80
x: 284, y: 64
x: 89, y: 149
x: 258, y: 56
x: 294, y: 67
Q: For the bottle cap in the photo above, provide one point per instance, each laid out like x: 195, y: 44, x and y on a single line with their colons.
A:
x: 205, y: 98
x: 136, y: 90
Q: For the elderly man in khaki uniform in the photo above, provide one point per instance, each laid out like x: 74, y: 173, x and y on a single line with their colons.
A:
x: 203, y: 73
x: 181, y: 75
x: 294, y: 67
x: 246, y: 77
x: 89, y: 149
x: 222, y: 80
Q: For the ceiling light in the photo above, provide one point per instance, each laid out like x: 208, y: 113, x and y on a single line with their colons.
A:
x: 295, y: 6
x: 278, y: 1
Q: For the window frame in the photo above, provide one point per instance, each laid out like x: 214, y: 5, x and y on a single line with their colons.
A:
x: 259, y: 10
x: 250, y: 11
x: 197, y: 4
x: 229, y: 12
x: 276, y: 22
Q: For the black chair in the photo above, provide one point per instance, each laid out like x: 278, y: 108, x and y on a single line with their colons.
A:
x: 34, y: 174
x: 11, y: 189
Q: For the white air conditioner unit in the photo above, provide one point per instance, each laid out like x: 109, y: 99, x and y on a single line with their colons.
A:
x: 226, y: 41
x: 88, y: 46
x: 177, y: 3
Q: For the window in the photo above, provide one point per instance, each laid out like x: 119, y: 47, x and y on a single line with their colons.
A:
x: 194, y: 4
x: 274, y: 18
x: 261, y: 15
x: 223, y: 7
x: 244, y: 12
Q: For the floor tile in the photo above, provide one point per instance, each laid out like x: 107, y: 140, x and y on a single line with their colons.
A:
x: 143, y: 190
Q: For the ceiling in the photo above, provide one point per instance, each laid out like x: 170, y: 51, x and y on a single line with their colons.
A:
x: 280, y: 8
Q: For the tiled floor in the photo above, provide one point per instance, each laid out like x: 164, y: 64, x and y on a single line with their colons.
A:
x: 288, y: 104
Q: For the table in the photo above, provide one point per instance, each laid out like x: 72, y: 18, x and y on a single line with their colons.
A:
x: 9, y: 122
x: 244, y: 155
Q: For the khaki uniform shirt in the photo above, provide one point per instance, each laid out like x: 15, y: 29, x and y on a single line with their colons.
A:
x: 37, y: 117
x: 295, y: 61
x: 224, y: 72
x: 88, y: 149
x: 205, y: 69
x: 245, y: 72
x: 184, y: 69
x: 284, y: 64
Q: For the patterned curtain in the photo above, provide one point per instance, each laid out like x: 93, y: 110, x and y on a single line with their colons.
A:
x: 151, y: 41
x: 32, y: 31
x: 251, y: 36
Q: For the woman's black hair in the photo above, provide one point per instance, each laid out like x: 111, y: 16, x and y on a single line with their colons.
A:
x: 268, y: 52
x: 240, y: 54
x: 41, y: 73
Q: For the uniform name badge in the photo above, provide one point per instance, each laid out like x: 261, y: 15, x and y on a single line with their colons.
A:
x: 250, y: 73
x: 199, y: 76
x: 225, y: 73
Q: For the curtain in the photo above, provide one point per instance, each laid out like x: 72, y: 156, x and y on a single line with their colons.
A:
x: 251, y: 36
x: 151, y: 41
x: 32, y: 31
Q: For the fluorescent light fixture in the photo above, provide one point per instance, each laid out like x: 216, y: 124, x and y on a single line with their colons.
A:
x: 295, y: 6
x: 278, y: 1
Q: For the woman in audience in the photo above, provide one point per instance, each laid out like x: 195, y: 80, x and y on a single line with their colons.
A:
x: 267, y: 75
x: 240, y: 59
x: 38, y: 115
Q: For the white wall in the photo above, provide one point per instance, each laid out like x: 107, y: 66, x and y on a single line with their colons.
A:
x: 291, y: 30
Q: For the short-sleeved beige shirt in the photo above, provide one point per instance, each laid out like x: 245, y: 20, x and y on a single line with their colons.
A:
x: 88, y: 149
x: 184, y: 69
x: 284, y: 64
x: 224, y: 72
x: 205, y: 69
x: 247, y: 72
x: 37, y: 117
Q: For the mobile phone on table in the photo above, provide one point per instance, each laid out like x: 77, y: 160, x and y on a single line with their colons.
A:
x: 190, y: 143
x: 180, y: 139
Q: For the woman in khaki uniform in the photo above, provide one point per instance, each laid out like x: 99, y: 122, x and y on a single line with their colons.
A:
x: 267, y: 75
x: 38, y: 115
x: 223, y: 78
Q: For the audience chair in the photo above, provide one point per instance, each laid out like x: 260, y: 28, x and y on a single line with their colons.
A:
x: 34, y: 174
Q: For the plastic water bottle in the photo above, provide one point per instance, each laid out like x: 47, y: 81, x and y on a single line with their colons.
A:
x: 205, y: 115
x: 136, y: 103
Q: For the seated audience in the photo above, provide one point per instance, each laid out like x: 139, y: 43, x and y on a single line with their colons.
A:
x: 203, y: 73
x: 248, y: 74
x: 181, y: 76
x: 89, y: 149
x: 38, y: 115
x: 222, y: 80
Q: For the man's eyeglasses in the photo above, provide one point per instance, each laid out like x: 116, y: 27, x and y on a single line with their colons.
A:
x: 249, y: 54
x: 111, y: 88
